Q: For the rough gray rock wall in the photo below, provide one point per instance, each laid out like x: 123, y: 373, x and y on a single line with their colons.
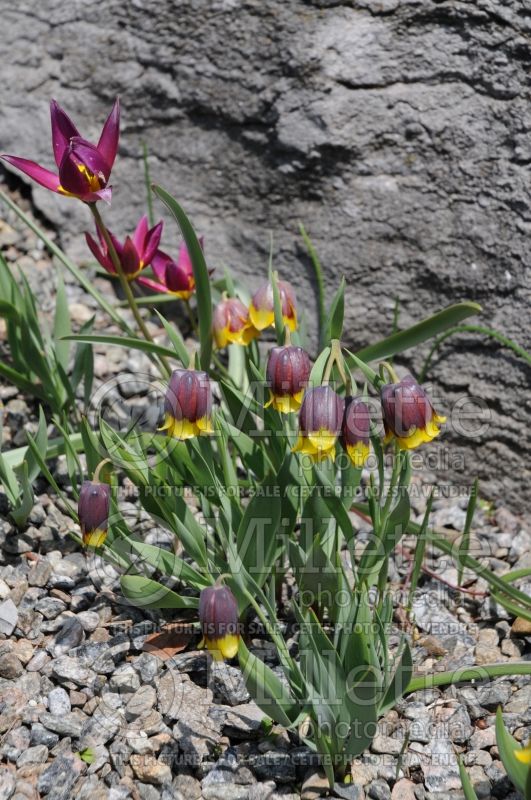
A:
x: 399, y: 132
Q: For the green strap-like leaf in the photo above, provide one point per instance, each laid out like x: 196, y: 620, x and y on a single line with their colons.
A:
x: 147, y: 593
x: 334, y: 323
x: 480, y: 673
x: 124, y: 341
x: 267, y: 690
x: 399, y: 682
x: 468, y: 789
x: 176, y: 339
x: 421, y: 332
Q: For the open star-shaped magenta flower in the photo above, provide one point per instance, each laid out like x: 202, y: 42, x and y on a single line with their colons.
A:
x: 84, y: 169
x: 135, y: 253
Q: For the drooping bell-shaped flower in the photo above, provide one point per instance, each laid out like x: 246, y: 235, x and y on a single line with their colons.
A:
x: 135, y: 253
x: 231, y: 323
x: 218, y: 616
x: 287, y: 373
x: 262, y: 308
x: 188, y: 404
x: 84, y: 168
x: 355, y: 430
x: 320, y: 420
x: 93, y: 512
x: 408, y: 414
x: 172, y: 277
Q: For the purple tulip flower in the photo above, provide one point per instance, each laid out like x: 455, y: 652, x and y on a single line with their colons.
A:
x: 84, y: 168
x: 135, y: 253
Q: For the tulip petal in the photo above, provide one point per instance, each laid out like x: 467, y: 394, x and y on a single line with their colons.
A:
x: 130, y: 258
x: 139, y: 236
x: 63, y: 129
x: 99, y: 254
x: 108, y: 142
x: 103, y: 194
x: 157, y: 287
x: 74, y: 180
x: 183, y: 259
x: 151, y: 243
x: 89, y: 156
x: 158, y: 265
x: 33, y: 170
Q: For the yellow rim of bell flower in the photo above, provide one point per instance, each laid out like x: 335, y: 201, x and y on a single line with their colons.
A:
x: 418, y: 436
x: 318, y: 445
x: 358, y: 454
x: 185, y: 429
x: 285, y: 403
x: 244, y: 336
x: 220, y: 649
x: 263, y: 318
x: 94, y: 538
x: 524, y: 754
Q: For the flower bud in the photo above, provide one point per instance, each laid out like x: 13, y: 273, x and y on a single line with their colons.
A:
x: 188, y: 404
x: 408, y: 414
x: 262, y: 308
x: 288, y: 371
x: 93, y: 512
x: 218, y: 615
x: 232, y: 324
x: 355, y: 431
x: 320, y: 421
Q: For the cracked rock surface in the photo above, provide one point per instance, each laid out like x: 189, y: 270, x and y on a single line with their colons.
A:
x: 398, y: 132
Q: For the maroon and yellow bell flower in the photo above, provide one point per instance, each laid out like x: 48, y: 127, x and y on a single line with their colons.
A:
x: 172, y: 277
x: 355, y: 431
x: 320, y: 420
x: 93, y: 512
x: 408, y: 414
x: 287, y: 373
x: 219, y: 619
x: 262, y: 308
x: 188, y: 404
x: 84, y: 168
x: 135, y: 253
x: 231, y: 323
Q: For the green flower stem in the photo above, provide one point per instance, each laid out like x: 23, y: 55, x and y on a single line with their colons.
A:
x: 482, y: 673
x: 99, y: 468
x: 385, y: 366
x: 335, y: 357
x: 125, y: 283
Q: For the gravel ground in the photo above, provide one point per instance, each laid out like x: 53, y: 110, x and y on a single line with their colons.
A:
x: 94, y: 705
